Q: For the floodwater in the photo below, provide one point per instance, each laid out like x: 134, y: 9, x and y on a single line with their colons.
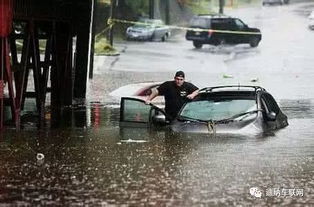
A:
x: 90, y: 160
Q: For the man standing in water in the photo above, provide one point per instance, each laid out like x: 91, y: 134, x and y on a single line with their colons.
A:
x: 176, y: 93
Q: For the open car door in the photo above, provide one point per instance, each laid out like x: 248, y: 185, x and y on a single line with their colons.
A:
x: 134, y: 112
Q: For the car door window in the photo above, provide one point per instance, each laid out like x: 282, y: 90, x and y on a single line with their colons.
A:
x: 220, y: 24
x: 239, y: 24
x: 270, y: 103
x: 264, y: 106
x: 134, y: 110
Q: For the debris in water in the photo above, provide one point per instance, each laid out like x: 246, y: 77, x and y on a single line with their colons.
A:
x: 133, y: 140
x: 227, y: 76
x: 254, y: 80
x: 40, y: 156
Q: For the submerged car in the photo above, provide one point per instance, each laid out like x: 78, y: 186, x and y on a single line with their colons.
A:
x: 221, y: 29
x: 221, y: 109
x: 148, y: 29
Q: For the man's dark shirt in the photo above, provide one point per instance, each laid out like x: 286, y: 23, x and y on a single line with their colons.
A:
x: 175, y: 96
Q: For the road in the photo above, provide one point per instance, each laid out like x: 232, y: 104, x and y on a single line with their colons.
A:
x: 282, y: 56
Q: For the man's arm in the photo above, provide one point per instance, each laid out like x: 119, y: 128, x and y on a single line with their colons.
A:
x: 152, y: 95
x: 193, y: 94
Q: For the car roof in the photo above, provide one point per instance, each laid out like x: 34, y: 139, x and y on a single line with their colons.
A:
x: 148, y: 20
x: 212, y: 16
x: 231, y: 91
x: 232, y: 88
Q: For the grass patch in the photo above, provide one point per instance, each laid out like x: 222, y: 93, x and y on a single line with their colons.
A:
x: 202, y: 7
x: 102, y: 47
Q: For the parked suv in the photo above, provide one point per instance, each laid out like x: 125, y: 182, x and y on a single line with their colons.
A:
x: 220, y: 29
x: 271, y: 2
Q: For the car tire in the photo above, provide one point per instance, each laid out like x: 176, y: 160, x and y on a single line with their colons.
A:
x: 221, y: 42
x: 254, y: 41
x: 164, y: 38
x: 152, y: 37
x: 197, y: 44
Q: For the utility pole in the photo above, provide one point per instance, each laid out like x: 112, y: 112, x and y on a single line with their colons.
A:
x: 167, y: 12
x: 221, y: 6
x: 112, y: 12
x: 151, y: 9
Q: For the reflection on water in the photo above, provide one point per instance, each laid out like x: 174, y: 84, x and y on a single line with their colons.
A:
x: 90, y: 160
x: 303, y: 108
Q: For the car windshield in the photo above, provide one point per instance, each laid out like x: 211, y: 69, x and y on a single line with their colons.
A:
x: 206, y: 110
x: 149, y: 23
x: 153, y: 21
x: 142, y: 25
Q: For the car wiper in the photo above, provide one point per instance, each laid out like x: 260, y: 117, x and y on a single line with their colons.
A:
x: 185, y: 118
x: 227, y: 120
x: 236, y: 116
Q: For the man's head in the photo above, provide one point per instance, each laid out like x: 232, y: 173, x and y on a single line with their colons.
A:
x: 179, y: 78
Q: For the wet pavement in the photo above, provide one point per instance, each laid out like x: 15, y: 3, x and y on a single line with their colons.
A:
x: 89, y: 160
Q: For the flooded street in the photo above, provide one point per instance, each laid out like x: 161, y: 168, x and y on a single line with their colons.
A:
x: 89, y: 160
x: 102, y: 163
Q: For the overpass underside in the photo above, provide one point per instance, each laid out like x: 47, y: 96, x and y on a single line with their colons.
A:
x: 48, y: 50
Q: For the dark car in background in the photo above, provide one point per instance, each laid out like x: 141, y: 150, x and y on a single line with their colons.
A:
x: 221, y: 29
x: 271, y: 2
x: 148, y: 29
x: 221, y: 109
x: 311, y: 20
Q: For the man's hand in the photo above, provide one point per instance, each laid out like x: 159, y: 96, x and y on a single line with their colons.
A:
x: 149, y: 98
x: 192, y: 95
x: 147, y: 101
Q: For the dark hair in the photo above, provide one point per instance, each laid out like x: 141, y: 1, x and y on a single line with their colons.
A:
x: 179, y: 74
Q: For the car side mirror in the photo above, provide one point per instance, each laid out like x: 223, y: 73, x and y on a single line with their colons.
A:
x: 271, y: 116
x: 159, y: 119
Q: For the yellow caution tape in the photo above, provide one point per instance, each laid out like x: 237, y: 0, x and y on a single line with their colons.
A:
x: 110, y: 24
x: 112, y: 21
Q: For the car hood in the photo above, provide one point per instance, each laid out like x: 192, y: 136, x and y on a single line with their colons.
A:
x: 249, y: 126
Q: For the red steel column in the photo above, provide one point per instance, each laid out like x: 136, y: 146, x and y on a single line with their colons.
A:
x: 6, y: 74
x: 6, y: 17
